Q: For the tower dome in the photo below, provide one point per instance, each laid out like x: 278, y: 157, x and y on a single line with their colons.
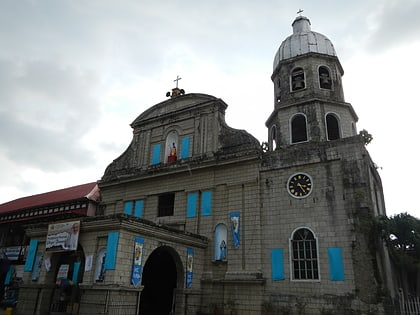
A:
x: 309, y: 100
x: 303, y: 41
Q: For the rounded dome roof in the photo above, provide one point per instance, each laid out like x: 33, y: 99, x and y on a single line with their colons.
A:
x: 303, y: 41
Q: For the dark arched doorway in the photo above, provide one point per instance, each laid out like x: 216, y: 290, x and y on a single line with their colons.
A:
x: 69, y: 271
x: 159, y: 281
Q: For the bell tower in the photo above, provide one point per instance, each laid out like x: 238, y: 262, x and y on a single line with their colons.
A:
x: 308, y: 93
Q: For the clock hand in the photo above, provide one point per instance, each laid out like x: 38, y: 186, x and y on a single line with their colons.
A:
x: 301, y: 187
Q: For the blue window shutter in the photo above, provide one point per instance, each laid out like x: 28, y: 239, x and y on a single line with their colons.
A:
x: 128, y: 207
x: 206, y: 203
x: 185, y: 148
x: 8, y: 277
x: 30, y: 258
x: 111, y: 250
x: 335, y: 259
x: 192, y: 205
x: 156, y: 154
x: 76, y: 268
x: 277, y: 264
x: 138, y: 209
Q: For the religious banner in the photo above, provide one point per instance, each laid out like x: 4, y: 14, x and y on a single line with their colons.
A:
x: 189, y: 274
x: 137, y: 261
x: 234, y: 223
x: 62, y: 273
x: 37, y: 266
x: 62, y: 236
x: 12, y: 252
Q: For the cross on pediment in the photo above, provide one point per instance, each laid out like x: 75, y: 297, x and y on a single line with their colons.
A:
x: 176, y: 80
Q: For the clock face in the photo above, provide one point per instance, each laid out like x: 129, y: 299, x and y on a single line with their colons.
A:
x: 299, y: 185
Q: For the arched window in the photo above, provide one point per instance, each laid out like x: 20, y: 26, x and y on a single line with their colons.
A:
x: 273, y: 137
x: 100, y: 266
x: 304, y: 252
x: 298, y: 127
x: 220, y: 242
x: 324, y: 78
x: 171, y: 146
x: 333, y: 127
x: 298, y: 79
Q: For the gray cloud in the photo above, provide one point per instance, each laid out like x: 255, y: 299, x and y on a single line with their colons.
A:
x: 395, y: 23
x: 45, y: 109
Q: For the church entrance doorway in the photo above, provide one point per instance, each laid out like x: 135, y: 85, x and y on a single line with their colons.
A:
x: 159, y: 282
x: 68, y: 274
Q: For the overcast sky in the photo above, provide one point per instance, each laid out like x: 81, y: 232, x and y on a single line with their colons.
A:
x: 74, y: 74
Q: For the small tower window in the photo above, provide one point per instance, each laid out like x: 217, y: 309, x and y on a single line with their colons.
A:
x: 324, y: 78
x: 273, y: 138
x: 298, y: 79
x: 333, y: 127
x: 298, y: 127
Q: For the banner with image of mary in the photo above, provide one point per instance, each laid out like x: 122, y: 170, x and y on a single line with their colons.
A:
x: 234, y: 223
x: 137, y: 261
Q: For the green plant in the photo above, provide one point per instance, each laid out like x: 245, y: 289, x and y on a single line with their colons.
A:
x: 366, y: 136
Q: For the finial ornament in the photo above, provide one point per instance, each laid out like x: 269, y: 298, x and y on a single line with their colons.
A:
x: 176, y: 91
x: 300, y: 12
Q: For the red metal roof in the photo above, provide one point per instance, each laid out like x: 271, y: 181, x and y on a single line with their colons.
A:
x: 89, y: 190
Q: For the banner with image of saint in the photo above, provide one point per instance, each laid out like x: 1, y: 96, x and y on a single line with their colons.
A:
x: 189, y: 274
x: 137, y: 261
x: 235, y: 224
x: 62, y: 236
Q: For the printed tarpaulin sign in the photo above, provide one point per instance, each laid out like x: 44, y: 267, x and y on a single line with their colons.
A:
x: 62, y: 236
x: 234, y: 224
x: 189, y: 274
x: 12, y: 252
x: 137, y: 261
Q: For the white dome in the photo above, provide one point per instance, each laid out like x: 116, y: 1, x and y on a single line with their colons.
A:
x: 303, y: 41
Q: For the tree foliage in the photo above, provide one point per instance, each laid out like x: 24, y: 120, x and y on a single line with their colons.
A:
x: 402, y: 235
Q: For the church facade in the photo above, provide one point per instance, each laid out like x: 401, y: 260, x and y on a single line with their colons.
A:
x: 196, y: 217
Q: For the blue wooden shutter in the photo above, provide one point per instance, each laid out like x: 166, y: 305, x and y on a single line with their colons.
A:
x: 30, y: 258
x: 277, y: 264
x: 76, y: 267
x: 156, y: 154
x: 192, y: 205
x: 335, y: 259
x: 185, y: 148
x: 128, y: 207
x: 9, y: 274
x: 206, y: 203
x: 138, y: 208
x: 111, y: 250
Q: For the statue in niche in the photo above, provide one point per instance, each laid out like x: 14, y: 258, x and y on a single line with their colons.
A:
x: 172, y: 153
x: 222, y: 250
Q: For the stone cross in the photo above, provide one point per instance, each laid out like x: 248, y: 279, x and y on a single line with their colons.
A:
x: 176, y: 80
